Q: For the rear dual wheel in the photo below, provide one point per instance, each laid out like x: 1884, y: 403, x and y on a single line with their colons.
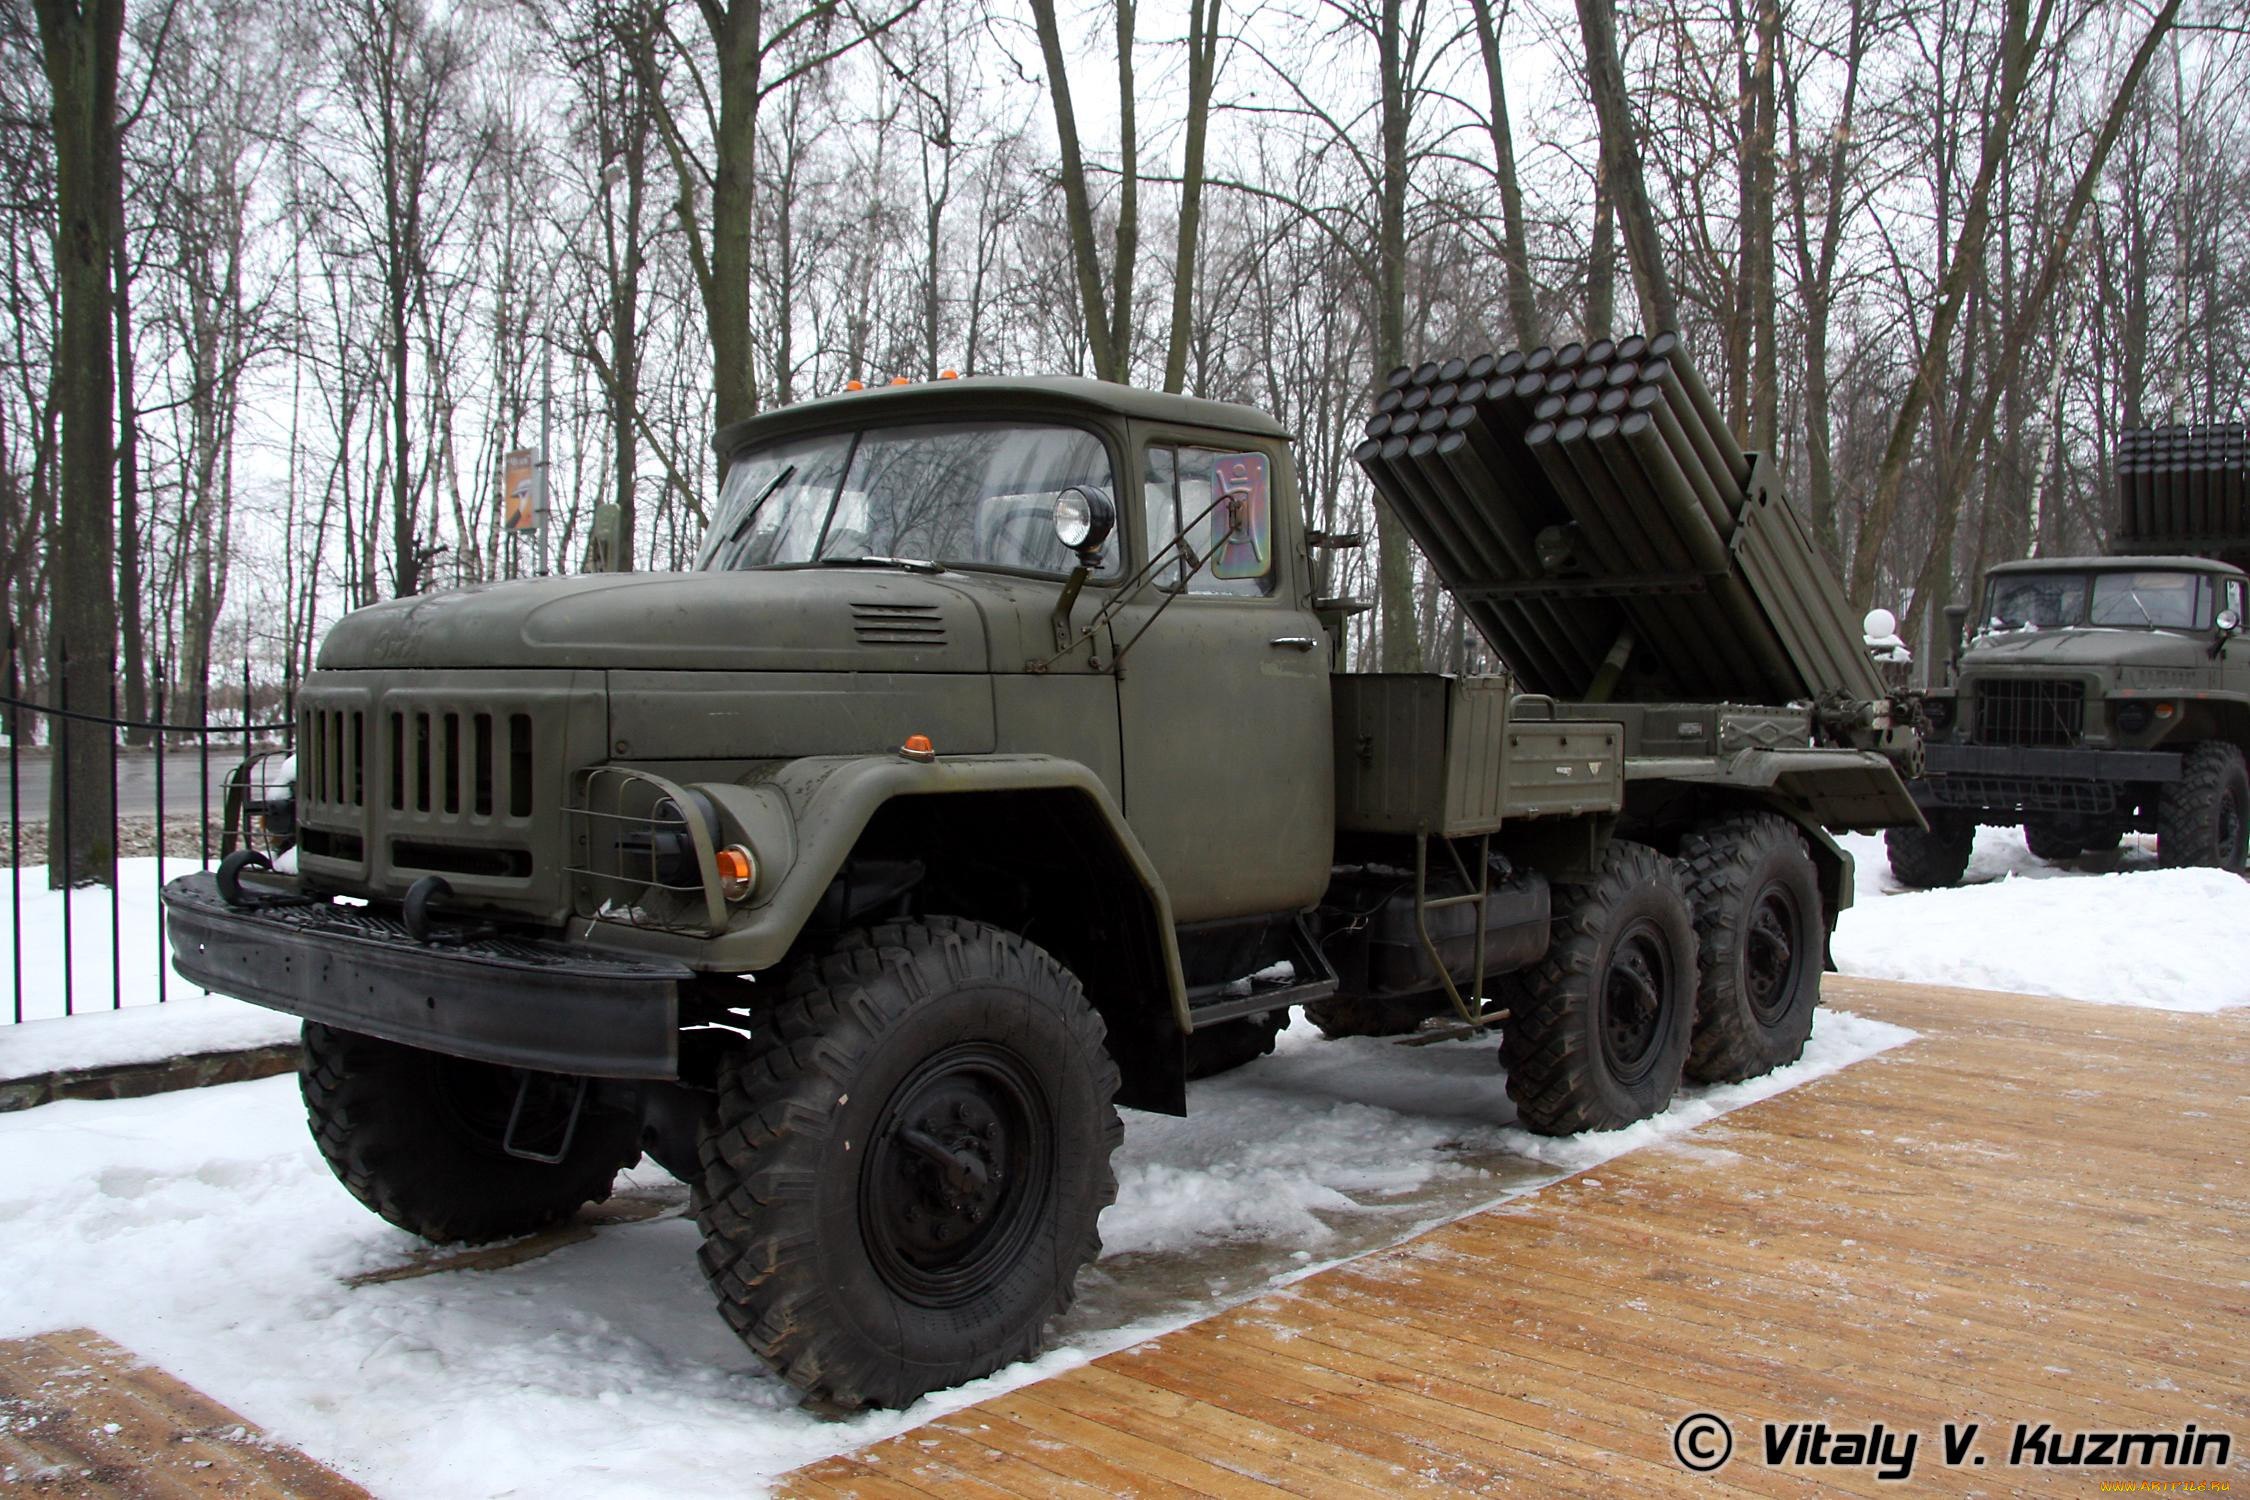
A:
x: 1598, y: 1030
x: 1761, y: 936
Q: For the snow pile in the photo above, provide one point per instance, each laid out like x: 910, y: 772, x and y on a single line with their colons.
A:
x: 2113, y: 929
x: 202, y: 1231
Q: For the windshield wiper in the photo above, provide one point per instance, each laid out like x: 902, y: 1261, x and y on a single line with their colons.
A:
x: 750, y: 513
x: 910, y: 564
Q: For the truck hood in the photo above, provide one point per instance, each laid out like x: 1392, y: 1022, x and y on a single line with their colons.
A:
x: 801, y: 620
x: 2088, y: 648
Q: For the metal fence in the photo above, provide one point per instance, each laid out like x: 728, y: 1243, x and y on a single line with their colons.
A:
x: 218, y: 751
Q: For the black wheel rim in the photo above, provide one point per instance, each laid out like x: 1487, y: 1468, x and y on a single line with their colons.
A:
x: 1635, y: 985
x: 957, y: 1171
x: 477, y: 1099
x: 1772, y: 956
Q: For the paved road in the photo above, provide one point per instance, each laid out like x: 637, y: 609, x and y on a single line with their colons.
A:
x: 136, y: 783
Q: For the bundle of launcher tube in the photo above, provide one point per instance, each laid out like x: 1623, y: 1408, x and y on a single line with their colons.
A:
x: 2184, y: 490
x: 1597, y: 520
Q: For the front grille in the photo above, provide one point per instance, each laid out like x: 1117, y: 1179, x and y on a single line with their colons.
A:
x: 454, y: 775
x: 898, y: 625
x: 454, y: 762
x: 2029, y: 711
x: 332, y: 757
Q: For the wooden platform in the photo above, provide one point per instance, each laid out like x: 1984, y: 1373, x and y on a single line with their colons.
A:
x: 80, y: 1416
x: 2038, y: 1211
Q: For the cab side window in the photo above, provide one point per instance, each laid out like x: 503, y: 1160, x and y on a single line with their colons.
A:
x: 2234, y: 597
x: 1178, y: 486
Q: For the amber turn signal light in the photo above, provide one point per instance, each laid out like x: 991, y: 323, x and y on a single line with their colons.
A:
x: 738, y: 872
x: 918, y: 747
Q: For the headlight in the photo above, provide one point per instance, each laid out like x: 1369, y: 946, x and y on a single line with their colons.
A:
x: 1938, y: 712
x: 1084, y: 517
x: 2132, y: 718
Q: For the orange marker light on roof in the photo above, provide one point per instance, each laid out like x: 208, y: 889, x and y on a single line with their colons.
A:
x: 949, y: 374
x: 855, y: 385
x: 900, y: 380
x: 918, y: 747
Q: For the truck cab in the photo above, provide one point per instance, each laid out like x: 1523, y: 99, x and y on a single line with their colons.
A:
x: 2093, y: 697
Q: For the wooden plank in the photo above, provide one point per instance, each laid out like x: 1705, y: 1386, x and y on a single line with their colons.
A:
x: 80, y: 1415
x: 2036, y: 1210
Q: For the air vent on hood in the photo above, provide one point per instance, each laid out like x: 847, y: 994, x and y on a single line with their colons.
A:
x: 898, y: 625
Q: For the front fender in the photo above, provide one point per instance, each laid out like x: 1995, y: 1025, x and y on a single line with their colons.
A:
x: 831, y: 799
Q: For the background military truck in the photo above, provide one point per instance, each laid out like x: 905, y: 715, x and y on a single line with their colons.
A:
x: 859, y: 873
x: 2099, y: 696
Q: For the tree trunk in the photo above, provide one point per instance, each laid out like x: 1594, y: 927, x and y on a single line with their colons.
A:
x: 1621, y: 164
x: 1523, y: 309
x: 133, y: 631
x: 734, y: 188
x: 1601, y: 267
x: 1203, y: 52
x: 1078, y: 208
x: 1394, y: 576
x: 79, y: 47
x: 1763, y: 414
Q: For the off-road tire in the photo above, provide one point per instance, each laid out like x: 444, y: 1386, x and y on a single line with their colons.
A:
x: 416, y: 1136
x: 1931, y: 858
x: 1212, y: 1050
x: 1368, y: 1015
x: 2103, y: 841
x: 826, y: 1235
x: 1761, y: 933
x: 2049, y: 843
x: 2202, y: 818
x: 1598, y: 1030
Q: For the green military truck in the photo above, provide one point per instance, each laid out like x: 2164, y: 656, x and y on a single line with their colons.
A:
x: 2100, y: 696
x: 951, y: 801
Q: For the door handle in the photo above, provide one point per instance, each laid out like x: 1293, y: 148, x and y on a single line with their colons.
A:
x: 1294, y: 642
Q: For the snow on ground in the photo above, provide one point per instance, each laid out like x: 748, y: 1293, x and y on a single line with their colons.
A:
x: 26, y: 905
x: 2113, y: 928
x: 140, y: 1033
x: 202, y: 1231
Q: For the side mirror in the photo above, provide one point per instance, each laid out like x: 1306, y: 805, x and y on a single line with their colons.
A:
x: 1242, y: 522
x: 1084, y: 518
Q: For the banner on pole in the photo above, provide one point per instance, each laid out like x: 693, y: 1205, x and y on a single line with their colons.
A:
x: 519, y: 490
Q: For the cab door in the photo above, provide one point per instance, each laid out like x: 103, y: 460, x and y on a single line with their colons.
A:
x: 1223, y: 681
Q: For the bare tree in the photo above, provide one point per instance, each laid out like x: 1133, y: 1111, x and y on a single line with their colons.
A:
x: 80, y: 42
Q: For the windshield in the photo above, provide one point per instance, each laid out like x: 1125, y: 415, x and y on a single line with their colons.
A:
x: 2142, y: 599
x: 961, y: 494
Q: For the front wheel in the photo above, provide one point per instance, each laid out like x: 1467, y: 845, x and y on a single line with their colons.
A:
x: 422, y: 1138
x: 2203, y: 819
x: 1932, y: 857
x: 1598, y: 1032
x: 2053, y: 842
x: 904, y: 1173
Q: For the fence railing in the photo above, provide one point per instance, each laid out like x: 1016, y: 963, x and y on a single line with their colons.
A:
x: 209, y: 756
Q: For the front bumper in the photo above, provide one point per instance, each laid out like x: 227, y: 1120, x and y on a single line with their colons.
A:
x: 525, y: 1003
x: 2037, y: 779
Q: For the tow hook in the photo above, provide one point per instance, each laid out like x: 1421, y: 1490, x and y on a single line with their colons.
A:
x: 415, y: 912
x: 228, y: 878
